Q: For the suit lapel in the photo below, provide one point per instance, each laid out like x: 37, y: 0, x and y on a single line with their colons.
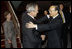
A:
x: 53, y: 20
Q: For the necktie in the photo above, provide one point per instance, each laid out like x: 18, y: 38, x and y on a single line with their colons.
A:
x: 51, y: 18
x: 62, y: 16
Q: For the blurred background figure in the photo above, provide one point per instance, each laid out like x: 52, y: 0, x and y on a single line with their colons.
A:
x: 1, y: 30
x: 65, y: 14
x: 70, y: 21
x: 69, y: 27
x: 64, y: 33
x: 9, y: 31
x: 45, y: 12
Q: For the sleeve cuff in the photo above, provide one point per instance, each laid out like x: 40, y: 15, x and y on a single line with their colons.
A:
x: 48, y: 16
x: 36, y: 27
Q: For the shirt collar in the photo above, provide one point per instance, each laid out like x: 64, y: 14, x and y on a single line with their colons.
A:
x: 55, y: 16
x: 30, y: 15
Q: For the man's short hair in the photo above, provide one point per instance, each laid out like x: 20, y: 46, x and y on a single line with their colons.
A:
x: 31, y: 7
x: 55, y: 6
x: 58, y: 9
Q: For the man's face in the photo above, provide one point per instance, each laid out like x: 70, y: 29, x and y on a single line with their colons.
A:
x: 52, y: 11
x: 35, y: 12
x: 45, y: 12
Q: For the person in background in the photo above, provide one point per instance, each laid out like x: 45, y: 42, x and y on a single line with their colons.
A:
x: 45, y: 12
x: 1, y: 30
x: 70, y: 22
x: 64, y: 26
x: 9, y: 31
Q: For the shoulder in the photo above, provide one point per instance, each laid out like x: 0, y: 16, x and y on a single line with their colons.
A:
x: 59, y: 16
x: 24, y: 13
x: 25, y: 16
x: 5, y: 24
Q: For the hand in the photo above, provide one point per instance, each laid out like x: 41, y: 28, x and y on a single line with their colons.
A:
x: 43, y: 37
x: 18, y: 36
x: 30, y: 25
x: 9, y: 41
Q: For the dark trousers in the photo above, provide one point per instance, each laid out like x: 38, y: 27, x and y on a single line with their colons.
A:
x: 53, y: 44
x: 31, y: 45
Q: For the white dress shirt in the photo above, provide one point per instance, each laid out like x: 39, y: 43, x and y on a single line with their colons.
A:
x: 53, y: 17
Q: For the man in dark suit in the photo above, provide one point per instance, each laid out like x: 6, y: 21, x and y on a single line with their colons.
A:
x: 31, y: 37
x: 70, y: 21
x: 53, y: 27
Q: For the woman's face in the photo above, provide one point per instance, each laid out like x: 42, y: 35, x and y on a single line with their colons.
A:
x: 9, y: 16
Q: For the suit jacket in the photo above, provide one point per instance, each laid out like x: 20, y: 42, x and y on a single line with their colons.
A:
x: 31, y: 37
x: 54, y: 31
x: 68, y: 17
x: 43, y: 20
